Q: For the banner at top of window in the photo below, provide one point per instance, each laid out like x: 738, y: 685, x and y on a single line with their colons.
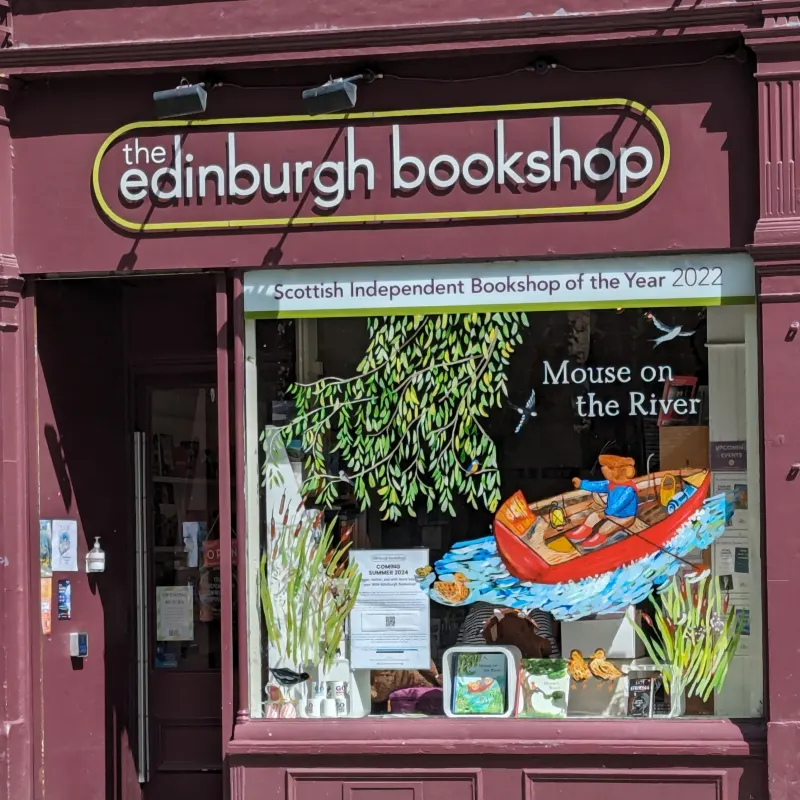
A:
x: 702, y: 280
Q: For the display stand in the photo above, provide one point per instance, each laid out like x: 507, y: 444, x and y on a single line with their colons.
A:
x: 613, y: 633
x: 450, y: 662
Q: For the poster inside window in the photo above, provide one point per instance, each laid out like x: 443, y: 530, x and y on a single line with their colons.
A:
x: 505, y: 512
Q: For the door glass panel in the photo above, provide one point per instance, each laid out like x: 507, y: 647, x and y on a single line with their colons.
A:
x: 185, y: 529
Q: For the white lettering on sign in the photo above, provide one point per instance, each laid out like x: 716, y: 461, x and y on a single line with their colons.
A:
x: 581, y: 375
x: 177, y: 176
x: 639, y: 404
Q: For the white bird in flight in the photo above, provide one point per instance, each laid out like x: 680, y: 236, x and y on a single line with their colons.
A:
x: 525, y: 413
x: 670, y: 333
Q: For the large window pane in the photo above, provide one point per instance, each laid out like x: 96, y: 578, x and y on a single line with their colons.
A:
x: 515, y: 514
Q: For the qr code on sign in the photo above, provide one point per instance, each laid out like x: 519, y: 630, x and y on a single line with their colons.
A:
x: 390, y: 622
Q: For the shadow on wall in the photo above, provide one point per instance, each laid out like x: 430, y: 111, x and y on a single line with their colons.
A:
x: 84, y: 476
x: 91, y: 336
x: 56, y: 451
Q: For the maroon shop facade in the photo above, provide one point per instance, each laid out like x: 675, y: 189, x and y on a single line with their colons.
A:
x: 122, y: 316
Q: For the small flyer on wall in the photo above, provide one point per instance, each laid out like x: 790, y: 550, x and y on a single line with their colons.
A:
x: 732, y: 564
x: 174, y: 614
x: 734, y: 485
x: 45, y: 548
x: 65, y: 545
x: 390, y: 623
x: 47, y: 605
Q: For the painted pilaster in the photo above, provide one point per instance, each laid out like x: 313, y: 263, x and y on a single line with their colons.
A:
x: 777, y: 48
x: 17, y: 778
x: 776, y: 251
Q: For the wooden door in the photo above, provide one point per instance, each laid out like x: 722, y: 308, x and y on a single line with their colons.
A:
x: 179, y: 589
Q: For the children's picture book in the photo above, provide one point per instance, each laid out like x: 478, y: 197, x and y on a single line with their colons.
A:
x: 640, y: 697
x: 480, y: 683
x: 681, y: 387
x: 543, y: 688
x: 661, y: 700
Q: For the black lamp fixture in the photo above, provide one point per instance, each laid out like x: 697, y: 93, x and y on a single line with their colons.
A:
x: 338, y: 94
x: 182, y: 101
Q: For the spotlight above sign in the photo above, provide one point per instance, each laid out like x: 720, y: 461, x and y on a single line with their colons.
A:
x: 182, y: 101
x: 338, y: 94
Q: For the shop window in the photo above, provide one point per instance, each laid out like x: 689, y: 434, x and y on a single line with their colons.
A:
x: 505, y: 513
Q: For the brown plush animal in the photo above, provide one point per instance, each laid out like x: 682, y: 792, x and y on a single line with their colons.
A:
x: 508, y: 626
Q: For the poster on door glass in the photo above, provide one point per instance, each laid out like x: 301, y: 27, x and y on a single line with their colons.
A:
x: 734, y: 486
x: 174, y: 614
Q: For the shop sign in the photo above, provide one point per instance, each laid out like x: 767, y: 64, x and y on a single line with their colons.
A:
x: 212, y: 553
x: 579, y: 157
x: 730, y: 456
x: 701, y: 280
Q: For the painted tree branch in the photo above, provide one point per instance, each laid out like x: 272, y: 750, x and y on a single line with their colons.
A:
x: 412, y: 409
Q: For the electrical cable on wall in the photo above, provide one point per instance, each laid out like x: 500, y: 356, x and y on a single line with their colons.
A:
x: 540, y: 66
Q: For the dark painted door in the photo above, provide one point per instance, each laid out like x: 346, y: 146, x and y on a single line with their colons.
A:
x: 178, y: 588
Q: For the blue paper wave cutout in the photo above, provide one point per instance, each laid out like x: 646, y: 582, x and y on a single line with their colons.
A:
x: 490, y: 582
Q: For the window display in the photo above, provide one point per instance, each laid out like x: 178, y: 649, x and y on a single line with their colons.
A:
x: 505, y: 513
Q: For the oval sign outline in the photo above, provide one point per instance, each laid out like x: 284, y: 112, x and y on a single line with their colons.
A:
x: 351, y: 219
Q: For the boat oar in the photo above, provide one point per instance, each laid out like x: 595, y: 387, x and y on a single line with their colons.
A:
x: 652, y: 544
x: 663, y: 550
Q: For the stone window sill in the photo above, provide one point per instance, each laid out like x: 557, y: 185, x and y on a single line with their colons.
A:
x: 438, y: 736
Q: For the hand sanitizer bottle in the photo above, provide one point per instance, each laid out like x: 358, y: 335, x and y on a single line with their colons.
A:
x: 96, y: 558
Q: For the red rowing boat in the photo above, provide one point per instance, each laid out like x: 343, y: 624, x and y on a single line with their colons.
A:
x: 532, y: 541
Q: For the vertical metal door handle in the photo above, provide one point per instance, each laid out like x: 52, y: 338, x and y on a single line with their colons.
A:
x: 142, y: 616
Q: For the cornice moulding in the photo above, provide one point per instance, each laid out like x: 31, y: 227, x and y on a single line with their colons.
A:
x: 395, y: 41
